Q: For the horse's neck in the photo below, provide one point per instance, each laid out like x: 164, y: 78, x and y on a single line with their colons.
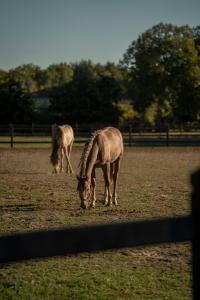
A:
x: 91, y: 160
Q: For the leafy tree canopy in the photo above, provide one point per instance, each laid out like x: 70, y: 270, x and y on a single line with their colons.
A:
x: 165, y: 69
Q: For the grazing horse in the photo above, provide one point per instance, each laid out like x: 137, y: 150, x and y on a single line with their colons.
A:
x: 103, y: 150
x: 62, y: 140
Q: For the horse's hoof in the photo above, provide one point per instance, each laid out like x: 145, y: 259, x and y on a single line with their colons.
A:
x: 90, y: 207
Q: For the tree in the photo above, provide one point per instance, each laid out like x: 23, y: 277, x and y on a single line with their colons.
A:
x: 16, y: 104
x: 57, y: 75
x: 27, y: 77
x: 196, y: 35
x: 165, y: 70
x: 90, y: 96
x: 74, y: 100
x: 127, y: 114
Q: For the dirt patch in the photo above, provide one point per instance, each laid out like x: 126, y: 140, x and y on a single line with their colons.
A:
x: 152, y: 183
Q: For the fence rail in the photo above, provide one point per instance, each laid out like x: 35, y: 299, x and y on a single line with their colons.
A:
x: 41, y: 134
x: 22, y: 246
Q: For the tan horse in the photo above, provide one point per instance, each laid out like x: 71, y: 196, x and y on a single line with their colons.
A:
x: 103, y: 150
x: 62, y: 140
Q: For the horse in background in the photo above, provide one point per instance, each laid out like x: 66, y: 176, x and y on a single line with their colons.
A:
x: 103, y: 150
x: 62, y: 141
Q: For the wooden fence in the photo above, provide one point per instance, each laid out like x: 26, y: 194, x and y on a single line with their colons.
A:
x: 41, y: 134
x: 23, y: 246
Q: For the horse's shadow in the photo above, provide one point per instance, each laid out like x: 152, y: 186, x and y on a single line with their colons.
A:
x: 23, y: 173
x: 19, y: 207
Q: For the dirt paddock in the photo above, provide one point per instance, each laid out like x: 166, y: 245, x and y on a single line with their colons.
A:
x: 153, y: 182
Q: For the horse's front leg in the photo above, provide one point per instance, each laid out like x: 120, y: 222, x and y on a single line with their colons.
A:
x: 93, y: 184
x: 58, y: 162
x: 56, y: 169
x: 105, y: 195
x: 67, y: 165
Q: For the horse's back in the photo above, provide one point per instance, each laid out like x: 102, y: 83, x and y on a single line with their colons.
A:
x: 110, y: 143
x: 67, y: 135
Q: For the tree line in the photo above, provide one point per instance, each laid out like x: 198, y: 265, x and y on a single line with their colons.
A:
x: 156, y: 82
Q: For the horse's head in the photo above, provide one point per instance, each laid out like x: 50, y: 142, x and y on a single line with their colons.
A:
x: 84, y: 189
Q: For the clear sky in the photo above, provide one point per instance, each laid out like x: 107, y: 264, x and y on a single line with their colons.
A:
x: 43, y: 32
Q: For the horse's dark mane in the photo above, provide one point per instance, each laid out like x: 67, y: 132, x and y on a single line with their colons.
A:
x: 86, y: 152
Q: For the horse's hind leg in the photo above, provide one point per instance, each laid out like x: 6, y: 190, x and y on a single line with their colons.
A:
x: 61, y: 160
x: 69, y: 154
x: 115, y: 175
x: 69, y: 167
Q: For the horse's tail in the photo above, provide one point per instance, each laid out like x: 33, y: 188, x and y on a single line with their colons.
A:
x: 54, y: 154
x: 55, y: 145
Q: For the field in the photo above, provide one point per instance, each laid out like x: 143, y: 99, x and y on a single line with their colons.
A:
x: 153, y: 183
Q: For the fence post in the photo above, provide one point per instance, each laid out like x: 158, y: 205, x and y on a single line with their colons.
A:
x: 32, y: 128
x: 195, y: 179
x: 167, y: 135
x: 11, y: 135
x: 130, y: 136
x: 76, y: 129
